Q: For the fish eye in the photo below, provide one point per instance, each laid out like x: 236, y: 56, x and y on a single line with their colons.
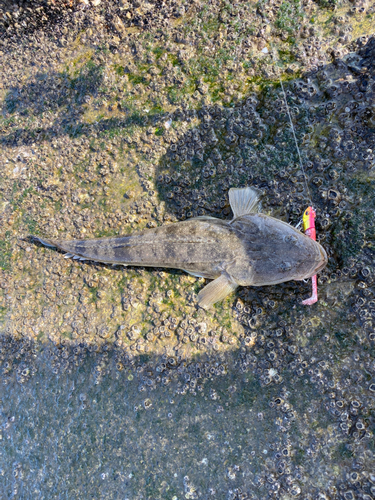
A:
x: 291, y: 238
x: 285, y: 266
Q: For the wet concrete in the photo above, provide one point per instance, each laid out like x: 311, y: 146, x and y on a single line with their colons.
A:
x: 107, y: 128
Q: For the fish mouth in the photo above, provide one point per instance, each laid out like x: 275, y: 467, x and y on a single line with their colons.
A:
x: 322, y: 262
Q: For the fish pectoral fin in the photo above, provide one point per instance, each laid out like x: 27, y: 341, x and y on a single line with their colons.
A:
x: 197, y: 275
x: 216, y: 290
x: 243, y: 201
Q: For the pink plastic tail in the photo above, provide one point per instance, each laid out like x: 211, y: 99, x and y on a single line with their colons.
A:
x: 314, y: 297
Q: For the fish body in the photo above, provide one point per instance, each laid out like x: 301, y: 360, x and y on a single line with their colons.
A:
x: 253, y: 249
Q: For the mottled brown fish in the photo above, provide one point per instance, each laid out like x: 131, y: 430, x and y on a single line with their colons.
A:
x: 252, y: 249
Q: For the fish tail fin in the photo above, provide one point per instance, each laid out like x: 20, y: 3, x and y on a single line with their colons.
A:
x: 45, y: 242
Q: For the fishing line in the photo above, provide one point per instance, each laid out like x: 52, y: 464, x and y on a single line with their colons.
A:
x: 294, y: 135
x: 295, y: 140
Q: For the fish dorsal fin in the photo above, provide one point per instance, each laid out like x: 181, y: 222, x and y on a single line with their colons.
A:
x: 243, y: 201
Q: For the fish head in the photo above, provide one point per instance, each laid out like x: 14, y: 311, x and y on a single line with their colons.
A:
x: 278, y: 252
x: 296, y: 256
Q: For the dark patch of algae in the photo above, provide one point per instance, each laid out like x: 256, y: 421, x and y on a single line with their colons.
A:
x: 117, y: 117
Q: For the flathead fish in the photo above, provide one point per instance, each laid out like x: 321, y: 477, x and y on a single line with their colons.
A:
x: 252, y: 249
